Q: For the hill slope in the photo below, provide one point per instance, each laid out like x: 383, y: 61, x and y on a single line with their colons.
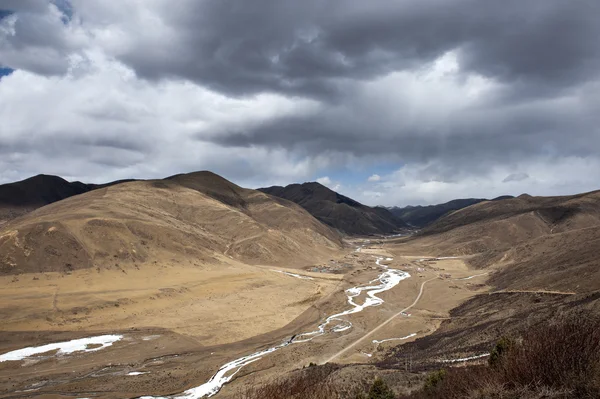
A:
x: 198, y: 216
x: 338, y: 211
x: 19, y: 198
x: 421, y: 216
x: 545, y: 243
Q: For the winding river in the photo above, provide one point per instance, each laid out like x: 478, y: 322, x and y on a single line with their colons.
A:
x: 387, y: 280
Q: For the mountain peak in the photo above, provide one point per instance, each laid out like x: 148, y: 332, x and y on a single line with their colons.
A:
x: 338, y: 211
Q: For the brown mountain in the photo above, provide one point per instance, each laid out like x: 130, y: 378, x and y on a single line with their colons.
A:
x: 548, y: 243
x: 340, y: 212
x: 19, y: 198
x: 198, y: 216
x: 421, y: 216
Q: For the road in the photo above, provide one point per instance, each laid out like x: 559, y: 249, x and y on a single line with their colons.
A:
x: 353, y: 344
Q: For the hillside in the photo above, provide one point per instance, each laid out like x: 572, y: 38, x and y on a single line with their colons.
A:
x: 533, y: 242
x: 19, y: 198
x: 421, y: 216
x: 340, y: 212
x: 198, y: 216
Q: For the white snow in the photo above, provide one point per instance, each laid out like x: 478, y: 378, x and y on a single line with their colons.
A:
x: 473, y: 276
x: 137, y: 373
x: 64, y: 348
x: 293, y: 275
x: 464, y: 359
x: 394, y: 339
x: 340, y: 328
x: 387, y: 280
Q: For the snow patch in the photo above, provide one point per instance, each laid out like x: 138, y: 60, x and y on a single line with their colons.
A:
x: 64, y: 348
x: 375, y: 341
x: 293, y: 275
x: 473, y: 276
x: 465, y: 359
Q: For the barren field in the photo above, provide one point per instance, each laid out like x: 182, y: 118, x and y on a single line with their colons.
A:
x: 179, y: 323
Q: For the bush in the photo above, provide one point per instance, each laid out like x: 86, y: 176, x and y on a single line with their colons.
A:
x: 499, y: 352
x: 561, y: 355
x: 380, y: 390
x: 434, y: 379
x: 555, y: 360
x: 310, y: 383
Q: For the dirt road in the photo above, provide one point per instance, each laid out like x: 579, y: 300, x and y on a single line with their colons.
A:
x: 353, y: 344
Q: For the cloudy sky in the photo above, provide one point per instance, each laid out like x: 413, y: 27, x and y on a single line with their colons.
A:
x: 391, y: 102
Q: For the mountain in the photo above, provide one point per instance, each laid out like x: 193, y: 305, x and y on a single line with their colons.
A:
x: 340, y: 212
x: 19, y: 198
x: 547, y: 243
x: 197, y: 216
x: 421, y: 216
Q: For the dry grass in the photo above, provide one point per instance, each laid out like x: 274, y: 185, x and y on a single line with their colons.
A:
x: 557, y: 360
x: 560, y: 359
x: 310, y: 383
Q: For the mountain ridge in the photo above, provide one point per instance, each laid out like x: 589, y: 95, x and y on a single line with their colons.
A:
x: 192, y: 216
x: 338, y: 211
x: 422, y: 215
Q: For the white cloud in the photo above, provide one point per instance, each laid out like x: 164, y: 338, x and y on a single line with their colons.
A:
x: 100, y: 122
x: 76, y: 107
x: 416, y: 185
x: 325, y: 180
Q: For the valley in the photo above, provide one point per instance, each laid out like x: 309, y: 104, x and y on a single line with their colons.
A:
x: 192, y: 287
x: 247, y: 307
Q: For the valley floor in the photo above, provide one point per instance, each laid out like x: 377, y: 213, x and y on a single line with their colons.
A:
x: 179, y: 323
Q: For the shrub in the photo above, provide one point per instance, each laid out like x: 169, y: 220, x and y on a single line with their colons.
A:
x: 554, y: 360
x: 433, y: 380
x: 380, y: 390
x: 565, y: 354
x: 500, y: 350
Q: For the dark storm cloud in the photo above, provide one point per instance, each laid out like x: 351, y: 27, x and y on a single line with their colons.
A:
x: 23, y: 5
x: 448, y: 89
x: 472, y: 140
x: 307, y: 47
x: 33, y: 37
x: 515, y: 177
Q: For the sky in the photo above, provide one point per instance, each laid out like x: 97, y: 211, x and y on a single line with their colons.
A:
x: 390, y: 102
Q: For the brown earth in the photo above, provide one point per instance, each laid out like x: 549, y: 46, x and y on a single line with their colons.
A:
x: 215, y: 294
x: 22, y: 197
x: 534, y: 258
x: 190, y: 218
x: 200, y: 318
x: 534, y: 243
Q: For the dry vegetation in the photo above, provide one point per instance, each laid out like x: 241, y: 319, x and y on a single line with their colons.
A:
x: 198, y: 218
x: 557, y: 360
x: 560, y: 359
x: 310, y: 383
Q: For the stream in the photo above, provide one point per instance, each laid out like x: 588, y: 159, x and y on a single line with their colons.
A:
x: 384, y: 282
